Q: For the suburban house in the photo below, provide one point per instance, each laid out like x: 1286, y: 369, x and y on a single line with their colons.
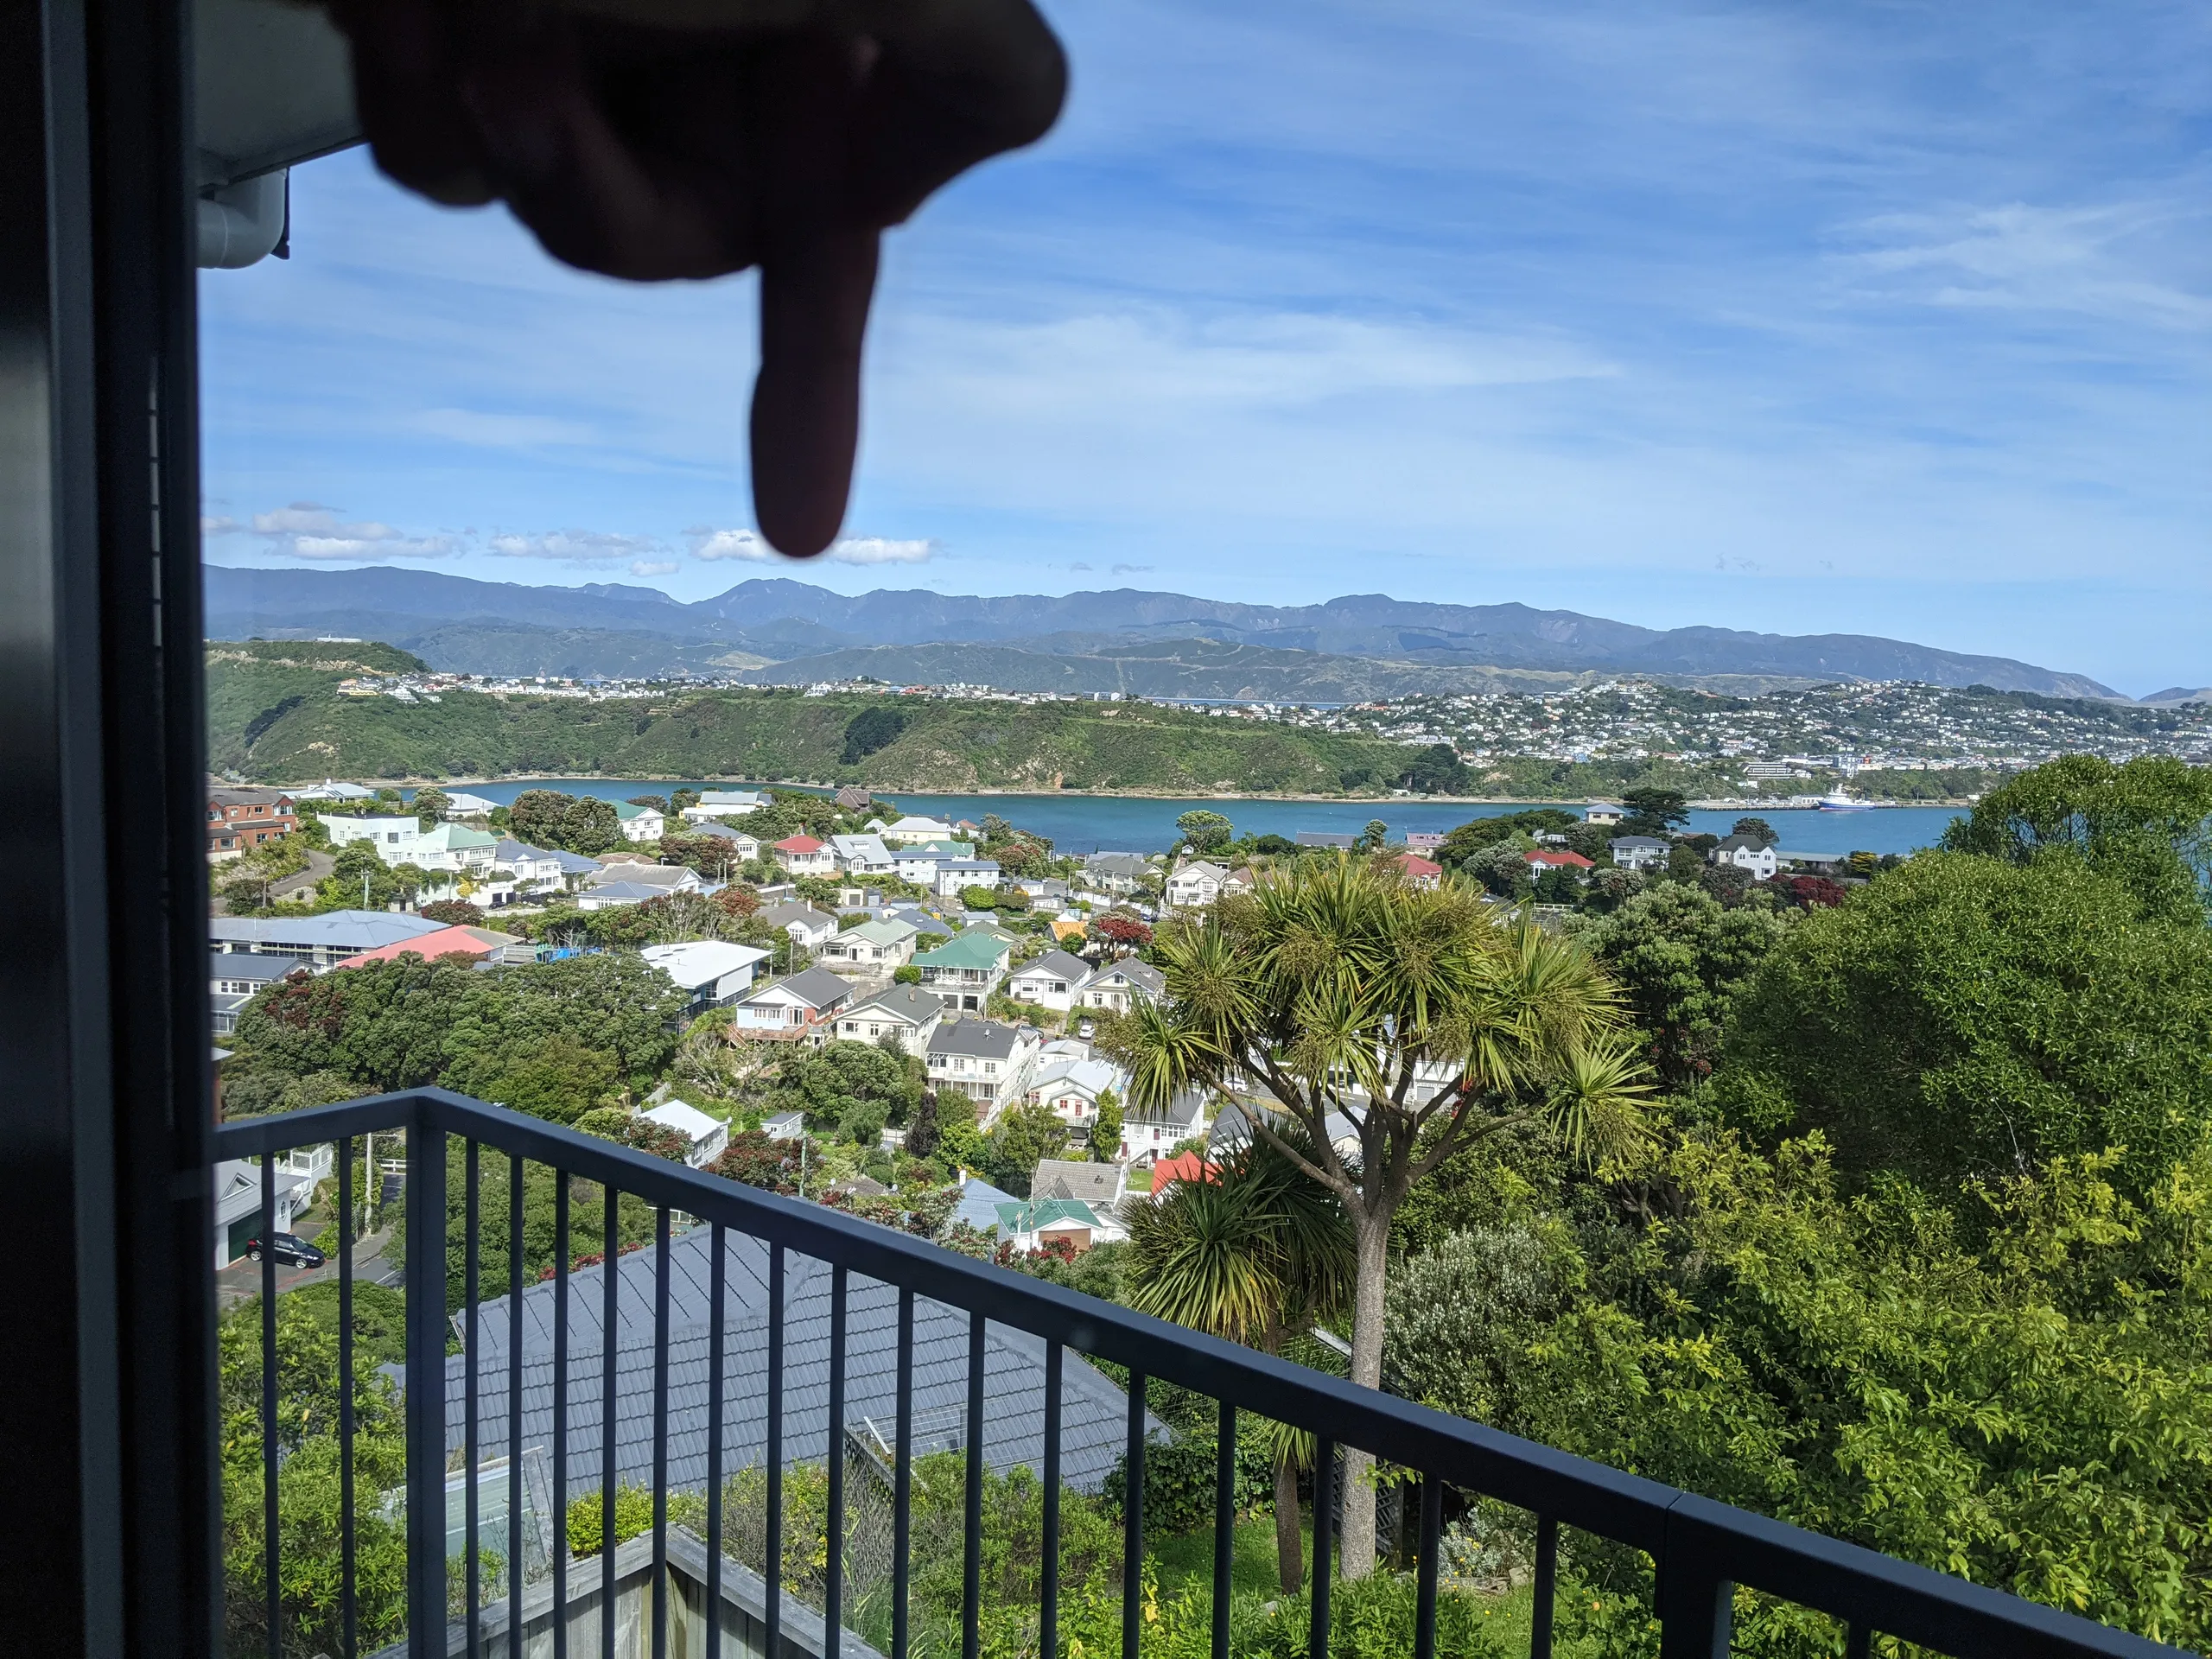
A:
x: 530, y: 868
x: 1419, y: 871
x: 809, y: 929
x: 1424, y: 840
x: 965, y: 969
x: 1147, y: 1136
x: 802, y: 1009
x: 1029, y: 1227
x: 956, y: 874
x: 480, y: 944
x: 1603, y: 816
x: 461, y: 804
x: 331, y: 790
x: 904, y: 1012
x: 711, y: 972
x: 1069, y: 1082
x: 804, y: 856
x: 1813, y: 863
x: 1327, y: 838
x: 1194, y: 885
x: 907, y: 831
x: 1183, y: 1167
x: 920, y: 864
x: 1745, y: 853
x: 879, y: 946
x: 235, y: 976
x: 238, y: 1205
x: 988, y: 1062
x: 1103, y: 1186
x: 706, y: 1138
x: 612, y: 893
x: 715, y: 803
x: 786, y: 1126
x: 1242, y: 878
x: 853, y: 798
x: 1118, y: 985
x: 1639, y: 851
x: 663, y: 879
x: 322, y: 940
x: 639, y: 823
x: 1119, y: 873
x: 388, y: 836
x: 1049, y: 982
x: 450, y: 847
x: 743, y: 847
x: 1545, y: 858
x: 863, y: 855
x: 239, y: 820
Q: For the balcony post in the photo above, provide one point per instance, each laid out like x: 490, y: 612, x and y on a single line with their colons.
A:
x: 426, y: 1389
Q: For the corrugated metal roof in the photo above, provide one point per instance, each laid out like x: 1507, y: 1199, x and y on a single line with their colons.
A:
x: 1093, y: 1413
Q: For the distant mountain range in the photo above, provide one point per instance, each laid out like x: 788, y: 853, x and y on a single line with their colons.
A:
x: 1152, y: 644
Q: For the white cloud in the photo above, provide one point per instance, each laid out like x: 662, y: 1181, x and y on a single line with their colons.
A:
x: 750, y: 546
x: 574, y: 546
x: 220, y: 526
x: 374, y: 547
x: 308, y: 529
x: 653, y: 567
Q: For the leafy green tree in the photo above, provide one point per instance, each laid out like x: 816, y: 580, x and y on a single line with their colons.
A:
x: 590, y: 827
x: 1205, y: 830
x: 1371, y: 839
x: 1679, y: 957
x: 1654, y: 811
x: 1436, y: 769
x: 658, y: 803
x: 1501, y: 868
x: 539, y: 818
x: 921, y: 1126
x: 1106, y: 1129
x: 1963, y: 1017
x: 453, y: 913
x: 431, y: 803
x: 1410, y: 1012
x: 1023, y: 1134
x: 678, y: 799
x: 1758, y: 828
x: 1256, y: 1253
x: 557, y: 1077
x: 2147, y: 824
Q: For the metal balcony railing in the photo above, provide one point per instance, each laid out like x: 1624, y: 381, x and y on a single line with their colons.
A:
x: 879, y: 1309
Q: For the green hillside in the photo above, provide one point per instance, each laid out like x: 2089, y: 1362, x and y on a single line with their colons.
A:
x: 277, y: 717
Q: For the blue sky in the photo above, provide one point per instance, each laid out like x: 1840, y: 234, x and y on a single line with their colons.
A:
x: 1886, y: 317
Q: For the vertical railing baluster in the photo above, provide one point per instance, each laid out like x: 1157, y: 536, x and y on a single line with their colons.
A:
x: 1224, y: 1525
x: 608, y: 1411
x: 1133, y: 1522
x: 1048, y: 1615
x: 561, y: 1249
x: 471, y: 1451
x: 972, y: 1568
x: 719, y: 1283
x: 425, y: 1403
x: 1858, y: 1639
x: 1432, y: 1536
x: 1546, y: 1588
x: 517, y: 1559
x: 773, y: 1567
x: 660, y: 1436
x: 902, y: 1478
x: 1324, y: 1520
x: 833, y: 1587
x: 1696, y: 1604
x: 349, y: 1614
x: 271, y: 1565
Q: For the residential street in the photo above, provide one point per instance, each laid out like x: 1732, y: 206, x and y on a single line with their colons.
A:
x: 241, y: 1280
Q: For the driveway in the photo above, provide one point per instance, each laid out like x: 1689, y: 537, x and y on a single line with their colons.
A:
x: 241, y: 1280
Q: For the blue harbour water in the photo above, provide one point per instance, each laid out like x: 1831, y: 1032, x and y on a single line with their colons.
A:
x: 1141, y: 823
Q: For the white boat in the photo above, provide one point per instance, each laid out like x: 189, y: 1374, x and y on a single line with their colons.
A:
x: 1840, y: 802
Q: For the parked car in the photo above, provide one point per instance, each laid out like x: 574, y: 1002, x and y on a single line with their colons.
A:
x: 290, y: 1249
x: 1085, y: 1029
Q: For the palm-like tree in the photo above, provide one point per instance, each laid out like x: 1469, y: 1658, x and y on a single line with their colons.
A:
x: 1423, y: 1019
x: 1255, y: 1252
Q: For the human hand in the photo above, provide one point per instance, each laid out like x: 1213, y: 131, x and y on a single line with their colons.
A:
x: 663, y: 139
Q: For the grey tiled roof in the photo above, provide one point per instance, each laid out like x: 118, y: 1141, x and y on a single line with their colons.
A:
x: 908, y: 1002
x: 984, y: 1038
x: 1093, y: 1413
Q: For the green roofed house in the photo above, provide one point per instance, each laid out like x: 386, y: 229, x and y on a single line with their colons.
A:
x: 878, y: 946
x: 452, y: 846
x: 1029, y: 1227
x: 966, y: 971
x: 641, y: 824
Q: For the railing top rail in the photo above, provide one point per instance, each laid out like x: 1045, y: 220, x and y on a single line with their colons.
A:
x: 1917, y: 1604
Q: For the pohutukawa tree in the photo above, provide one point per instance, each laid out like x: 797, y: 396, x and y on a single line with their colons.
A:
x: 1411, y: 1016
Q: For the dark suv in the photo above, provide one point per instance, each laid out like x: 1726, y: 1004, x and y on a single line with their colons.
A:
x: 289, y: 1249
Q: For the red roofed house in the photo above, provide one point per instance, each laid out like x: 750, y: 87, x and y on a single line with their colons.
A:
x: 1419, y: 871
x: 1549, y: 859
x: 1183, y: 1167
x: 449, y: 942
x: 804, y: 856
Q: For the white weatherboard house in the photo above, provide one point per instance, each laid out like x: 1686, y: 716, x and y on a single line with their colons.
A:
x: 1195, y: 885
x: 711, y: 972
x: 1118, y: 986
x: 1746, y: 853
x: 876, y: 946
x: 802, y: 1009
x: 726, y: 803
x: 988, y: 1062
x: 863, y: 855
x: 1049, y: 982
x: 1638, y: 852
x: 386, y: 833
x: 808, y: 926
x: 706, y: 1138
x: 907, y: 1013
x: 639, y: 823
x: 1069, y: 1082
x: 907, y: 830
x: 238, y: 1205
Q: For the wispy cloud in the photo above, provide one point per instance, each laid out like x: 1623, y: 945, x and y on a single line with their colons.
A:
x: 574, y: 546
x: 654, y: 567
x: 308, y: 529
x: 712, y: 545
